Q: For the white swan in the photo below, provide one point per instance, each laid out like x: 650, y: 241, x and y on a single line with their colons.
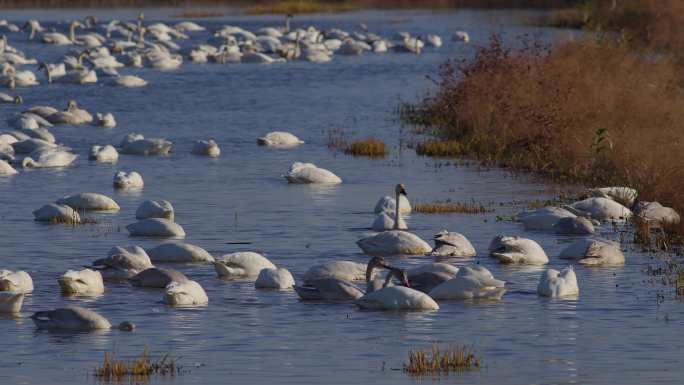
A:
x: 187, y: 293
x: 433, y: 40
x: 342, y: 270
x: 555, y: 219
x: 206, y: 147
x: 7, y: 99
x: 426, y: 277
x: 188, y: 26
x: 397, y: 298
x: 73, y: 318
x: 279, y: 139
x: 260, y: 58
x: 327, y: 282
x: 594, y: 252
x: 242, y: 265
x: 517, y: 250
x: 279, y: 278
x: 123, y: 262
x: 89, y: 201
x: 386, y: 221
x: 179, y: 252
x: 452, y: 245
x: 56, y: 213
x: 389, y: 204
x: 395, y: 241
x: 602, y: 209
x: 152, y: 146
x: 128, y: 180
x: 158, y: 278
x: 155, y: 227
x: 16, y: 281
x: 32, y: 145
x: 6, y: 169
x: 461, y: 36
x: 624, y: 195
x: 72, y: 115
x: 655, y: 212
x: 49, y: 157
x: 105, y: 120
x: 471, y: 282
x: 130, y: 81
x: 104, y: 154
x: 155, y: 209
x: 11, y: 302
x: 83, y: 282
x: 554, y: 283
x: 310, y: 173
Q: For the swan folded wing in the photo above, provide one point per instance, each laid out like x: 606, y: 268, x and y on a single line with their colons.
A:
x: 330, y: 289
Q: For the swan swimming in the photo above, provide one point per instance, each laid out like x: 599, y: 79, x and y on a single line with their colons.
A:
x: 279, y: 139
x: 48, y: 158
x: 594, y: 252
x: 554, y: 283
x: 123, y: 263
x: 186, y: 293
x: 83, y: 282
x: 105, y: 120
x: 397, y: 297
x: 155, y: 277
x: 471, y: 282
x: 16, y: 281
x: 155, y: 209
x: 206, y: 147
x: 279, y: 278
x: 155, y: 227
x: 179, y: 252
x: 342, y: 270
x: 517, y: 250
x: 452, y: 245
x: 242, y: 265
x: 89, y: 201
x: 128, y: 180
x: 386, y: 221
x: 394, y: 242
x: 309, y: 173
x: 72, y: 318
x: 103, y: 154
x: 56, y: 213
x: 333, y: 287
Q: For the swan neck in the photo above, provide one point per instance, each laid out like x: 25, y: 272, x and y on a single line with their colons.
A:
x: 48, y: 74
x: 397, y: 211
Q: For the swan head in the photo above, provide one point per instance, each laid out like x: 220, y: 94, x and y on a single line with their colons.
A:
x: 72, y: 105
x: 18, y: 99
x: 75, y: 24
x: 374, y: 263
x: 401, y: 275
x: 91, y: 21
x: 400, y: 189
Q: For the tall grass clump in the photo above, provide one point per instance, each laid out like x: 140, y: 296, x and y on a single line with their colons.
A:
x: 435, y: 361
x: 301, y: 6
x: 592, y: 111
x: 371, y: 147
x: 140, y: 369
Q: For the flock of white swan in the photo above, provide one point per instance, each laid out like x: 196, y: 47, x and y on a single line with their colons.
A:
x: 30, y: 144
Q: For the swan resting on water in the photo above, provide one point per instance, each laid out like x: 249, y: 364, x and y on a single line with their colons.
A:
x: 554, y: 283
x: 517, y: 250
x: 245, y: 264
x: 279, y: 278
x: 187, y: 293
x: 83, y: 282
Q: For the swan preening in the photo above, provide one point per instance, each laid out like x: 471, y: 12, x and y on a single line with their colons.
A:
x: 594, y: 252
x: 128, y: 180
x: 207, y: 148
x: 279, y: 278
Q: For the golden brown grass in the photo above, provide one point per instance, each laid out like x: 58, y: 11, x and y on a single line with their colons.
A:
x: 440, y: 148
x: 593, y: 112
x: 449, y: 207
x: 456, y: 359
x: 371, y: 147
x: 301, y: 6
x: 197, y: 14
x: 138, y: 370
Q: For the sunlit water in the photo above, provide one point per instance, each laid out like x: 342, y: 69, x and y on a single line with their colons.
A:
x: 613, y: 332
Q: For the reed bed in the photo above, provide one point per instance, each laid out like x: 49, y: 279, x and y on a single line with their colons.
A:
x: 454, y: 359
x: 301, y: 7
x: 371, y: 147
x: 140, y: 369
x: 592, y: 112
x: 449, y: 207
x: 441, y: 148
x: 198, y: 14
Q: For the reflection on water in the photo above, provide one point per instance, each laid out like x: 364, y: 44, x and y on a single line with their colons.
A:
x: 257, y: 336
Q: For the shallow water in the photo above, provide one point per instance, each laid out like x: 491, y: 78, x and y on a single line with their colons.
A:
x: 613, y: 332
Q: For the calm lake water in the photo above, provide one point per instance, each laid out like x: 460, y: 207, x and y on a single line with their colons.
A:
x: 614, y: 332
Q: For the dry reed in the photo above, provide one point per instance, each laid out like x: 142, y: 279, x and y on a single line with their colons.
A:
x: 371, y: 147
x: 454, y: 359
x: 301, y: 7
x: 138, y: 370
x: 449, y: 207
x: 441, y: 148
